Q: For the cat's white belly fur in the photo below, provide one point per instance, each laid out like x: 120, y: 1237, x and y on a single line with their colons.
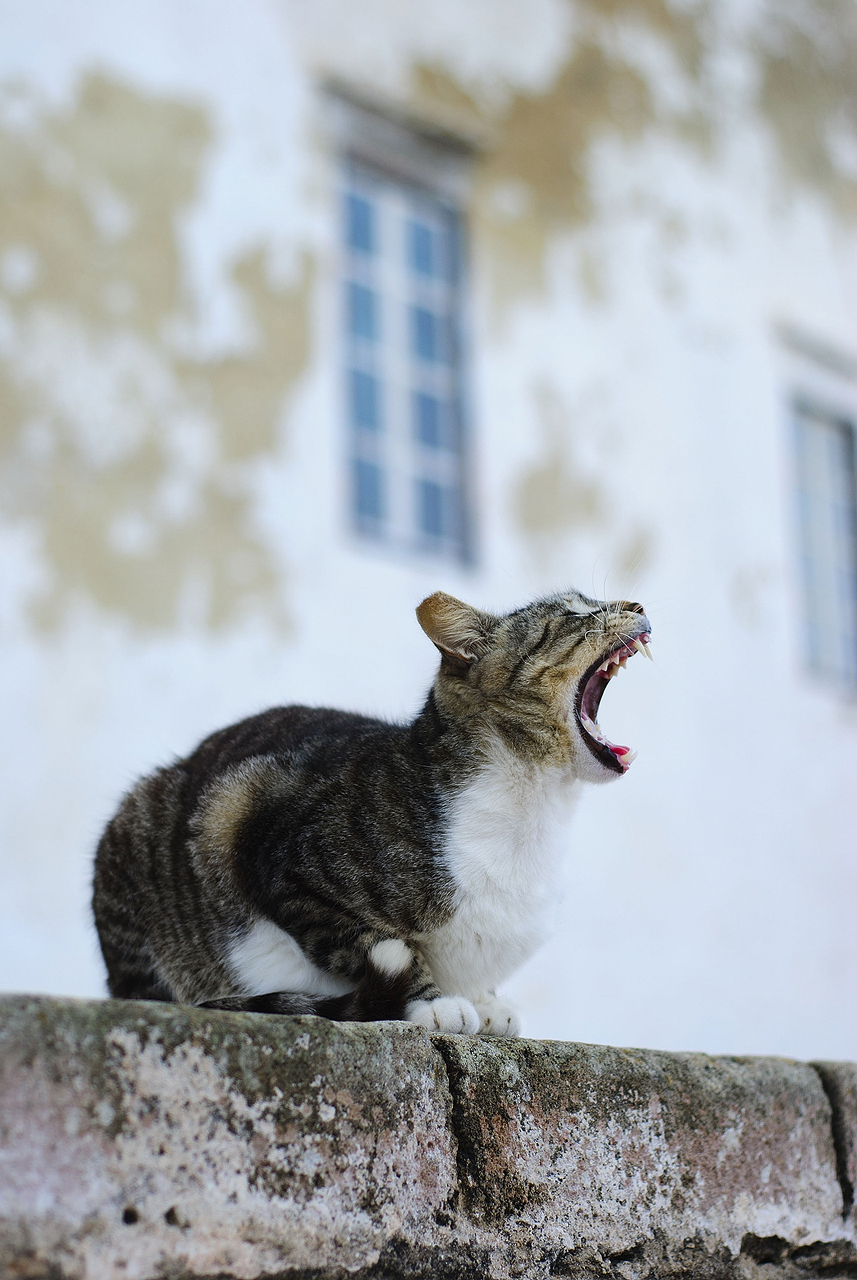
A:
x: 268, y: 959
x: 505, y: 844
x: 506, y: 840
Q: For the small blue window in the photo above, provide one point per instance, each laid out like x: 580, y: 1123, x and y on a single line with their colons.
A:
x: 369, y: 490
x: 430, y: 508
x: 428, y: 423
x: 360, y: 216
x: 362, y: 312
x: 403, y: 288
x: 422, y: 249
x: 426, y: 334
x: 827, y: 496
x: 365, y: 407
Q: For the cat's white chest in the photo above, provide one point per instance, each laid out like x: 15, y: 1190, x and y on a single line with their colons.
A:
x: 507, y: 834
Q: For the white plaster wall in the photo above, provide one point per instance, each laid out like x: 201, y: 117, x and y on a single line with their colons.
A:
x: 712, y: 891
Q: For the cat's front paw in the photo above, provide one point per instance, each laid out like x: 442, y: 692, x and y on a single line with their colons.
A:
x: 446, y: 1013
x: 497, y: 1017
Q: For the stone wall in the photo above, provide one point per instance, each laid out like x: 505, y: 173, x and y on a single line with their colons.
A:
x: 144, y: 1140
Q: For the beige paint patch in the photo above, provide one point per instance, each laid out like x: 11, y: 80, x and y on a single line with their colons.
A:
x: 534, y: 177
x: 129, y: 457
x: 553, y: 497
x: 807, y: 52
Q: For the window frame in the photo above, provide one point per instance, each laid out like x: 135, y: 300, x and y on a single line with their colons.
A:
x: 426, y: 162
x: 818, y: 380
x: 823, y: 636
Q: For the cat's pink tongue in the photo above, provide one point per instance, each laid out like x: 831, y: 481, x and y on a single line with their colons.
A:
x: 624, y: 755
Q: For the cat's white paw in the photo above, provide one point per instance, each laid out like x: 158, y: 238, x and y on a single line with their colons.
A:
x: 446, y: 1013
x: 497, y: 1017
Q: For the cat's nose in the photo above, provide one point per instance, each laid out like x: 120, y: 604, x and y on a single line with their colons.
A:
x: 630, y: 606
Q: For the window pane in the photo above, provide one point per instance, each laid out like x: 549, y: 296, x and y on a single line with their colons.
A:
x: 360, y: 217
x: 425, y: 332
x: 428, y: 426
x: 828, y: 526
x: 369, y: 490
x: 422, y: 248
x: 364, y: 399
x: 362, y: 312
x: 430, y: 508
x: 402, y: 370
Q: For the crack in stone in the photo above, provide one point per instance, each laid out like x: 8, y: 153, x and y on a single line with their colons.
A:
x: 840, y: 1141
x: 466, y: 1156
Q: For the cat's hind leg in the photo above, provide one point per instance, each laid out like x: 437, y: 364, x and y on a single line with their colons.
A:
x: 378, y: 996
x: 397, y: 984
x: 274, y: 1002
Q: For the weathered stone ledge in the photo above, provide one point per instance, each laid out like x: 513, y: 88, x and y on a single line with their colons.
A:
x: 143, y: 1140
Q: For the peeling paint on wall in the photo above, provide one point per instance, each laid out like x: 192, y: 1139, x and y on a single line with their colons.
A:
x: 807, y: 52
x: 534, y: 178
x: 128, y: 454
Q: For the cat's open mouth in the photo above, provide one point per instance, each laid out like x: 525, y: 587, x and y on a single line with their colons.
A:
x: 590, y: 691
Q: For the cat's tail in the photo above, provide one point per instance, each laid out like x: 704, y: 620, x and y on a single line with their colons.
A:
x: 379, y: 997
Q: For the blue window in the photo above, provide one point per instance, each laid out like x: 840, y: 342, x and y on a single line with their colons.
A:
x: 427, y: 420
x: 430, y: 504
x: 827, y: 510
x: 402, y: 374
x: 422, y: 249
x: 426, y: 334
x: 368, y: 490
x: 365, y: 407
x: 360, y: 217
x: 362, y: 312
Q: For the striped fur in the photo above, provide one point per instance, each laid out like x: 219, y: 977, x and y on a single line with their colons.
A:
x: 310, y: 860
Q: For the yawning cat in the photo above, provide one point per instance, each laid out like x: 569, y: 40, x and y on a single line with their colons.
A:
x: 312, y: 861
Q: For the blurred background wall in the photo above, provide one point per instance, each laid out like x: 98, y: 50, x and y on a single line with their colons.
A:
x: 311, y: 307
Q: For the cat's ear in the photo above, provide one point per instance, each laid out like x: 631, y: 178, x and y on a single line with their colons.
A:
x: 461, y: 633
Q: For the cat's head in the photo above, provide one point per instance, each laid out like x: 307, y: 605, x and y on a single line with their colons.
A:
x: 537, y: 675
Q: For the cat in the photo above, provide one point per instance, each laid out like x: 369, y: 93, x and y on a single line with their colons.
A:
x: 317, y: 861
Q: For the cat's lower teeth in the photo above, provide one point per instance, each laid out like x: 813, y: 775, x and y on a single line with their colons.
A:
x: 592, y: 728
x: 624, y: 755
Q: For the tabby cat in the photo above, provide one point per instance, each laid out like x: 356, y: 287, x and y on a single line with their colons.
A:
x: 313, y: 861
